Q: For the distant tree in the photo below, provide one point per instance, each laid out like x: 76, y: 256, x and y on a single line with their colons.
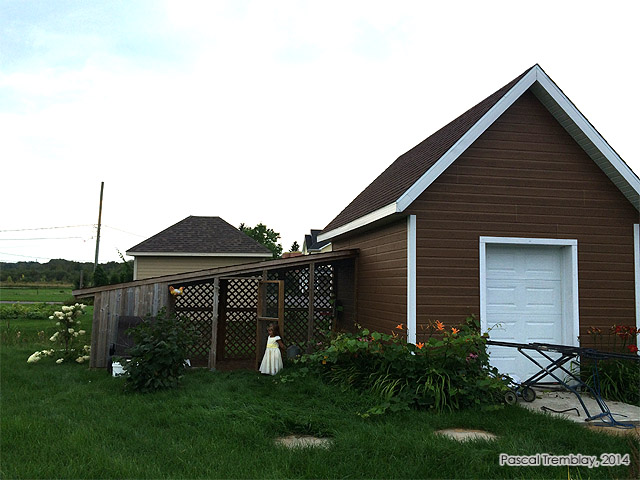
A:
x: 294, y: 247
x: 265, y: 236
x: 100, y: 277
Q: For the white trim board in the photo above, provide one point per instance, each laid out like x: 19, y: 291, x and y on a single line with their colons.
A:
x: 411, y: 279
x: 561, y: 108
x: 636, y: 257
x: 570, y: 259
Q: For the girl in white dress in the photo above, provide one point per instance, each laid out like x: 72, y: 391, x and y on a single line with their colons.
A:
x: 272, y: 360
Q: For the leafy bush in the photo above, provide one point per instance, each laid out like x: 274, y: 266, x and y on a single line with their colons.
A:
x: 618, y: 378
x: 448, y: 370
x: 159, y: 353
x: 35, y: 311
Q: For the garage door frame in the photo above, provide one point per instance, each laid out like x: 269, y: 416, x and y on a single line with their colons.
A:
x: 569, y: 250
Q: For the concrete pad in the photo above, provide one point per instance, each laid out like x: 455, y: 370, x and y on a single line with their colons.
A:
x: 304, y: 441
x: 464, y: 434
x: 563, y: 399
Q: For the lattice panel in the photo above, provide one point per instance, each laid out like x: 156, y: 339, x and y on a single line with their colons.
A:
x: 296, y: 288
x: 196, y: 296
x: 240, y: 340
x: 196, y: 305
x: 322, y: 296
x: 242, y: 293
x: 295, y: 326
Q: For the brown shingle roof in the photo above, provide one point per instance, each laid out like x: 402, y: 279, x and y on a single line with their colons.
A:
x: 204, y: 235
x: 409, y: 167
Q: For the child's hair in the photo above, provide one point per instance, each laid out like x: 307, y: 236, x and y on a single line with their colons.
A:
x: 276, y: 329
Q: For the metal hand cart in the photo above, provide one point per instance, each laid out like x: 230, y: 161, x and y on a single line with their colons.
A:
x: 570, y: 381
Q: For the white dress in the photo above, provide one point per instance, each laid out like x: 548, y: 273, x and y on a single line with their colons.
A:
x: 272, y: 360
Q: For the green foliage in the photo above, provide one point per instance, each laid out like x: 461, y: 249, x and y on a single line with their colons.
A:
x: 264, y: 236
x: 449, y: 370
x: 618, y: 379
x: 100, y: 277
x: 34, y: 311
x: 158, y: 355
x: 295, y: 247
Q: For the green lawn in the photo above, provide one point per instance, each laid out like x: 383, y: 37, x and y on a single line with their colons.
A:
x: 35, y: 294
x: 66, y: 421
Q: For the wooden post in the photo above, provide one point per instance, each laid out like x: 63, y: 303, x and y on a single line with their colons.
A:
x: 214, y: 323
x: 312, y: 267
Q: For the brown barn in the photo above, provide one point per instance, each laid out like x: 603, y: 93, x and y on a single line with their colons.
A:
x: 517, y: 211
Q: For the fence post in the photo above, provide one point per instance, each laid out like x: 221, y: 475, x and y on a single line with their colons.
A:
x: 214, y: 324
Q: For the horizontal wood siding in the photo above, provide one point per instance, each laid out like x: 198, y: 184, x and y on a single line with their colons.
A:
x: 381, y: 297
x: 524, y: 177
x: 109, y: 305
x: 148, y: 267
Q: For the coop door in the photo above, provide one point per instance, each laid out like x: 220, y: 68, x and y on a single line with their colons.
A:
x: 270, y: 310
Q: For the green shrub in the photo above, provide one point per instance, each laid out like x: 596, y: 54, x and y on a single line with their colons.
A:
x: 158, y: 355
x: 618, y: 379
x: 448, y: 370
x: 34, y: 311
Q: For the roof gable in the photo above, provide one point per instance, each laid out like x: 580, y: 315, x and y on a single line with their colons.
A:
x: 206, y: 236
x: 412, y: 173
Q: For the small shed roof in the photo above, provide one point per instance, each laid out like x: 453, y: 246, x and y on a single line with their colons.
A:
x: 226, y: 272
x: 201, y: 236
x: 406, y: 178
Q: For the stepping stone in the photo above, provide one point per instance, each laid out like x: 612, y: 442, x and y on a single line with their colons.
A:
x: 304, y: 441
x: 463, y: 434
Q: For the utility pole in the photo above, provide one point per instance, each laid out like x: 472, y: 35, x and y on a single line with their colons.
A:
x: 95, y: 263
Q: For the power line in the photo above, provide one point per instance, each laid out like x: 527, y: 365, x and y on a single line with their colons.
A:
x: 46, y: 228
x: 24, y: 256
x: 123, y: 231
x: 41, y: 238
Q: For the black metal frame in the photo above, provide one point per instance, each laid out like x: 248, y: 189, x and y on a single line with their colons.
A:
x: 567, y: 353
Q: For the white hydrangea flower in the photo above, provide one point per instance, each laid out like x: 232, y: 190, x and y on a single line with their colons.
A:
x: 51, y: 317
x: 70, y: 330
x: 82, y: 332
x: 86, y: 357
x: 34, y: 357
x: 80, y: 359
x: 66, y: 308
x: 59, y: 361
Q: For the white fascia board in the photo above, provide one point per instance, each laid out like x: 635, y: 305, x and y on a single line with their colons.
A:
x: 360, y: 222
x: 411, y: 280
x: 589, y: 131
x: 467, y: 139
x: 186, y: 254
x: 636, y: 257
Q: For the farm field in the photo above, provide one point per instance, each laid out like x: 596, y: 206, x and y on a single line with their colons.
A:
x: 35, y: 294
x: 67, y: 421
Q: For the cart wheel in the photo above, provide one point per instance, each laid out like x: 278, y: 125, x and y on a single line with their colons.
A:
x: 510, y: 397
x: 528, y: 394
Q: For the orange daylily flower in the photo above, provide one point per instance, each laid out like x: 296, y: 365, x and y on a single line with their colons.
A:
x: 399, y: 327
x: 439, y: 325
x: 420, y: 345
x: 454, y: 330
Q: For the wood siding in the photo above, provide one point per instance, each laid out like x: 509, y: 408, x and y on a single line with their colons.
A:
x: 109, y: 305
x: 149, y: 267
x: 381, y: 276
x: 524, y: 177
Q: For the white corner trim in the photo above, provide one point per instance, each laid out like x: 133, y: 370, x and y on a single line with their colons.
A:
x: 585, y: 126
x: 411, y: 279
x: 636, y: 256
x: 135, y: 268
x: 359, y: 222
x: 571, y: 258
x: 187, y: 254
x: 467, y: 139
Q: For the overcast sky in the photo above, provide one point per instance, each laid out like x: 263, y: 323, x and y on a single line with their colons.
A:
x: 278, y: 112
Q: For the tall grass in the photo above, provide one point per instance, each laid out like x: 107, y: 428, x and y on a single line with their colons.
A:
x: 66, y: 421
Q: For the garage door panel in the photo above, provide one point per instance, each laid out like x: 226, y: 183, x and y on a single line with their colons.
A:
x: 524, y: 302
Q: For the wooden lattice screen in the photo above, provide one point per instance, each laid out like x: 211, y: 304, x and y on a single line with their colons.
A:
x: 240, y: 319
x: 196, y: 305
x: 238, y: 314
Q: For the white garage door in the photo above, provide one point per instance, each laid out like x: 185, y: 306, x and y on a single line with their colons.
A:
x: 524, y: 302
